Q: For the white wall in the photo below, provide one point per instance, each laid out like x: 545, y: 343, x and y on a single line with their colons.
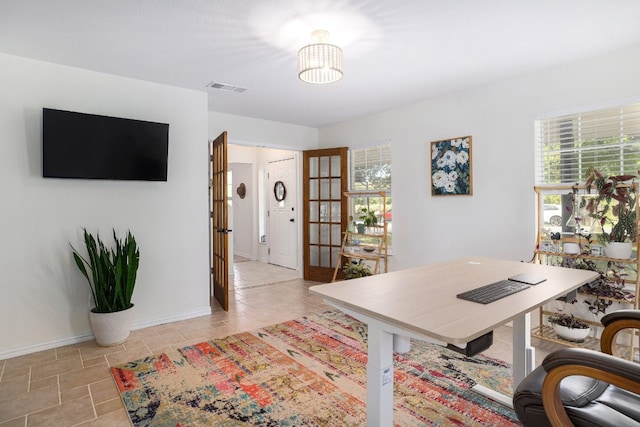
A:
x: 243, y: 210
x: 262, y: 133
x: 45, y: 301
x: 498, y: 220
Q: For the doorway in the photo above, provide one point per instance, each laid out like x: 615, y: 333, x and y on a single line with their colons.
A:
x: 259, y: 216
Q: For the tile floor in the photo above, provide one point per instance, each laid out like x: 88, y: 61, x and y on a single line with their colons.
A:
x: 72, y: 386
x: 251, y: 274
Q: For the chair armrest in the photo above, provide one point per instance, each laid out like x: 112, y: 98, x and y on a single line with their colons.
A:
x: 615, y: 322
x: 629, y: 314
x: 577, y: 361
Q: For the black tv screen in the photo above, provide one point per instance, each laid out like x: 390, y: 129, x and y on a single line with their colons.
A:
x: 89, y: 146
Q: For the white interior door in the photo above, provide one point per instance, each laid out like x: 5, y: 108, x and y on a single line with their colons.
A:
x: 283, y: 215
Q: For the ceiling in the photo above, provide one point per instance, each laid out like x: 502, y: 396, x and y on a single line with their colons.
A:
x: 396, y: 52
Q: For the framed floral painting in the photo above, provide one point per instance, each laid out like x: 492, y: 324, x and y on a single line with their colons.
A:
x: 451, y: 167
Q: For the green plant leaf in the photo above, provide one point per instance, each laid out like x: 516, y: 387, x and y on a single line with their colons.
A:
x: 111, y: 273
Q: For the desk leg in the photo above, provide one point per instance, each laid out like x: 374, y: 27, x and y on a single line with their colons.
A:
x: 523, y: 354
x: 379, y: 378
x: 401, y: 344
x: 523, y: 359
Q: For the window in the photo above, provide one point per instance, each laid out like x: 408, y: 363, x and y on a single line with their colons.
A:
x: 370, y: 170
x: 567, y: 146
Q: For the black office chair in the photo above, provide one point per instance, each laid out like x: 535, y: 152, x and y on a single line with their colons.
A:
x: 581, y: 387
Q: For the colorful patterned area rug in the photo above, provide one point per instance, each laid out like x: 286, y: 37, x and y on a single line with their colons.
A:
x: 307, y: 372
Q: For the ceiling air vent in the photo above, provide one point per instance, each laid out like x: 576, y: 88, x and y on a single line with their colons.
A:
x: 227, y: 87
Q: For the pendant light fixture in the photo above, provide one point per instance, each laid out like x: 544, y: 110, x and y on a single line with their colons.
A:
x: 320, y: 62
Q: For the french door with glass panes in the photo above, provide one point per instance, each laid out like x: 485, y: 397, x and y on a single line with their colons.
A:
x: 325, y: 210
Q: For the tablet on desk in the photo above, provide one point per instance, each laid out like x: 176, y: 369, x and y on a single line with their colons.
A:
x: 528, y: 279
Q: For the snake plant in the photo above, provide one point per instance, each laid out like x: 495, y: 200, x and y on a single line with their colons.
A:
x: 111, y: 273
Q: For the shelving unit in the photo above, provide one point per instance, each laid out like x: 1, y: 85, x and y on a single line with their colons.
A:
x: 368, y: 246
x: 627, y: 346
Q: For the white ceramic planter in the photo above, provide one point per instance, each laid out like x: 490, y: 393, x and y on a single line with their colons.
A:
x: 571, y: 334
x: 571, y: 248
x: 618, y: 250
x: 111, y: 328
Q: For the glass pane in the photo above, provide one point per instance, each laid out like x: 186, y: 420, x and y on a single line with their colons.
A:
x: 335, y: 212
x: 324, y: 189
x: 324, y: 166
x: 324, y: 234
x: 325, y: 260
x: 334, y: 256
x: 335, y: 189
x: 313, y: 212
x: 313, y: 167
x: 229, y: 184
x: 336, y: 234
x: 313, y: 256
x: 371, y: 168
x: 324, y: 211
x: 313, y: 234
x: 569, y: 145
x: 335, y: 165
x: 313, y: 189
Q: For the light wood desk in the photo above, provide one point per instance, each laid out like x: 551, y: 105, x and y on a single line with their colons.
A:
x: 421, y: 303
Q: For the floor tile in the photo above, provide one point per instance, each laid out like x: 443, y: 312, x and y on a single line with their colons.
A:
x: 22, y: 362
x: 16, y: 422
x: 14, y: 386
x: 28, y: 403
x: 112, y: 405
x: 86, y: 376
x: 111, y: 419
x: 49, y: 369
x: 67, y: 414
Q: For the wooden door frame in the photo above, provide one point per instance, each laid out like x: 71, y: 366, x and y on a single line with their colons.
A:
x: 322, y: 274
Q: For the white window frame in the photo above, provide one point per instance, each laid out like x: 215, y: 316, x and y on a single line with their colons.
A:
x: 371, y: 148
x: 569, y: 143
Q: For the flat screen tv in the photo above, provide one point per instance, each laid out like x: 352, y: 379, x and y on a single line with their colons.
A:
x: 89, y: 146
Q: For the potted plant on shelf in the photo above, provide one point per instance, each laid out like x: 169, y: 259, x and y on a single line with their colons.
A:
x: 111, y: 274
x: 621, y: 215
x: 368, y: 218
x: 569, y: 327
x: 607, y: 288
x: 353, y: 270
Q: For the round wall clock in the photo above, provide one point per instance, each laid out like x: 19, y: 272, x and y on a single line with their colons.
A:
x: 279, y: 191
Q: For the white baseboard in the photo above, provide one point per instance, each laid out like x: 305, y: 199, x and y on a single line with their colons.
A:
x: 203, y: 311
x: 48, y: 345
x: 245, y: 255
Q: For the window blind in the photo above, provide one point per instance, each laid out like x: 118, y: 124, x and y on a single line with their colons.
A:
x: 567, y: 146
x: 371, y: 168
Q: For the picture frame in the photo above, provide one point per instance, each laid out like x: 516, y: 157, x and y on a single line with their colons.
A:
x: 451, y: 167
